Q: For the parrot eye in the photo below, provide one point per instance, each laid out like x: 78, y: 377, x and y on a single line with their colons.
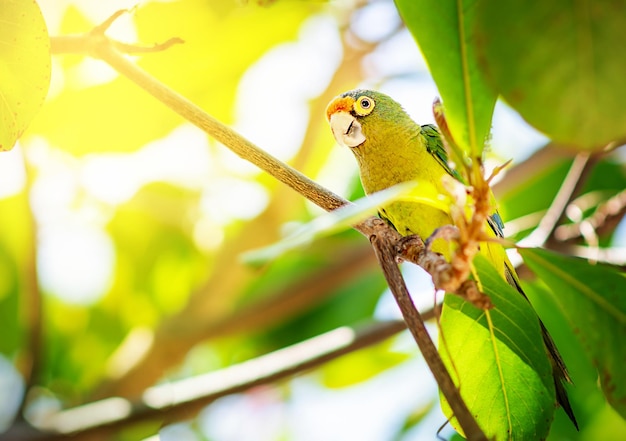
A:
x: 364, y: 106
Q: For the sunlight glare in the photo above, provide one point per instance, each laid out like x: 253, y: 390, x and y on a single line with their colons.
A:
x: 75, y: 263
x: 12, y: 172
x: 272, y: 100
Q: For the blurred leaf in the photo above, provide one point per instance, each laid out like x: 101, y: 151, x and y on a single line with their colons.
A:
x: 413, y: 419
x: 593, y: 300
x: 202, y: 69
x: 507, y: 383
x: 361, y: 365
x: 346, y: 216
x: 444, y: 31
x: 348, y: 304
x: 555, y: 63
x: 24, y: 67
x: 158, y: 264
x: 17, y: 259
x: 9, y: 302
x: 584, y: 395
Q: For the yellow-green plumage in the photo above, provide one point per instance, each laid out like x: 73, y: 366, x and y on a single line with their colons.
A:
x: 391, y: 148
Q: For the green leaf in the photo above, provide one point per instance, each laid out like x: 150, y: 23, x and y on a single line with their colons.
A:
x: 557, y: 64
x: 593, y: 299
x: 24, y: 67
x: 361, y: 365
x: 498, y: 359
x: 444, y: 33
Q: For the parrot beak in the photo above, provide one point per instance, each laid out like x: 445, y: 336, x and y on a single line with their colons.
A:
x: 346, y: 129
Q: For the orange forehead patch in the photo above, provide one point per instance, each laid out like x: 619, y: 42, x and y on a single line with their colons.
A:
x: 339, y: 104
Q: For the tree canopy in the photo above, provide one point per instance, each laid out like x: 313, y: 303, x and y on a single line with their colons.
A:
x: 166, y: 265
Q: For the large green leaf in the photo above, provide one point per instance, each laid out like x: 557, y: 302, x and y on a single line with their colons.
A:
x: 557, y: 63
x: 498, y: 359
x: 593, y: 299
x: 24, y: 67
x: 444, y: 33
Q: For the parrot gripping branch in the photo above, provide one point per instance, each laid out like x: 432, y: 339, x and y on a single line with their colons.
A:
x: 384, y: 242
x: 388, y: 244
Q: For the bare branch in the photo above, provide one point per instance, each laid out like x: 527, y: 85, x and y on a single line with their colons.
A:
x: 571, y: 185
x: 180, y: 399
x: 604, y: 219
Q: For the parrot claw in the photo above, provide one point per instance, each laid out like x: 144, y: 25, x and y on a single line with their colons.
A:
x: 409, y: 248
x: 447, y: 232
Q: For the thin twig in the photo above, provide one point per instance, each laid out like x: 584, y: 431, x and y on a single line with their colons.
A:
x: 604, y: 219
x: 222, y: 133
x: 572, y: 183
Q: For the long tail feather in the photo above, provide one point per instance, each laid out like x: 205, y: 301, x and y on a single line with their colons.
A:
x: 559, y: 370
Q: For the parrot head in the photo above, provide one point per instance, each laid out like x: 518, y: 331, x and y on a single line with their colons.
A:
x: 379, y: 133
x: 362, y: 115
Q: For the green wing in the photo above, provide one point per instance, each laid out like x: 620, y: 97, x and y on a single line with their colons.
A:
x: 434, y: 146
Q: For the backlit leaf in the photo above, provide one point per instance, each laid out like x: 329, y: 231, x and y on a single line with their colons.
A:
x: 444, y: 33
x: 24, y: 67
x: 507, y: 381
x: 221, y: 41
x: 346, y: 216
x: 557, y: 64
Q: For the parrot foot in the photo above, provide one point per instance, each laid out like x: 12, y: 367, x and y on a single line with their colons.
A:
x: 446, y: 232
x: 410, y: 248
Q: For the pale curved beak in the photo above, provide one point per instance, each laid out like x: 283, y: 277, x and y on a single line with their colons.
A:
x: 346, y: 129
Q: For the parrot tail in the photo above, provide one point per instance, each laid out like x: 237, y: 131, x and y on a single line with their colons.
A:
x: 559, y: 370
x: 560, y: 374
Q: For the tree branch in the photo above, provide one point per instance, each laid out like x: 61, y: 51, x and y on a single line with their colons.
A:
x: 604, y: 219
x: 99, y: 46
x: 386, y: 254
x: 572, y: 184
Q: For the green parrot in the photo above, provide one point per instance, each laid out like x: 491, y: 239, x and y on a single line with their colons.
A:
x: 391, y: 148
